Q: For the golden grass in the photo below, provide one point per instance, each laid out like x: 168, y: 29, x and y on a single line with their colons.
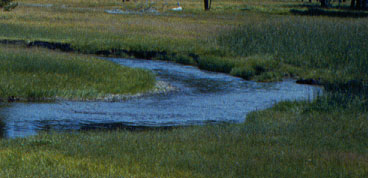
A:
x: 121, y: 27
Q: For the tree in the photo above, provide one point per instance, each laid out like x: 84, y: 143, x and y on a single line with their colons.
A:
x: 359, y: 4
x: 8, y: 5
x: 4, y: 2
x: 325, y: 3
x: 207, y: 4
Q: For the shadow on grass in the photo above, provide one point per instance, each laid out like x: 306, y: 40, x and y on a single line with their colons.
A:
x: 330, y: 13
x: 309, y: 5
x: 122, y: 126
x: 127, y: 126
x: 318, y: 6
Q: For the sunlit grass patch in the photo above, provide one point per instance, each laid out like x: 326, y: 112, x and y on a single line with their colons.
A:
x: 35, y: 74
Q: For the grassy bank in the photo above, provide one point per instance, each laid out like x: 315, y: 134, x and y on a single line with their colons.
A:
x: 292, y: 139
x: 38, y: 74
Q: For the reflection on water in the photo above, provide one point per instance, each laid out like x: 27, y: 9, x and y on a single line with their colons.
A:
x: 203, y: 97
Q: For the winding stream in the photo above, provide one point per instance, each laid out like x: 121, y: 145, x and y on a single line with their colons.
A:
x: 203, y: 97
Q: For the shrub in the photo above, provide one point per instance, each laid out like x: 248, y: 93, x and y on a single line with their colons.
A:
x: 10, y: 6
x: 184, y: 59
x: 3, y: 3
x: 216, y: 64
x: 258, y: 67
x: 244, y: 72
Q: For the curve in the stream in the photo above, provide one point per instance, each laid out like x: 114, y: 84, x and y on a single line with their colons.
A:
x: 203, y: 97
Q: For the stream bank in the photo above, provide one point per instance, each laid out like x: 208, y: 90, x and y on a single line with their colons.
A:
x: 202, y: 98
x: 214, y: 65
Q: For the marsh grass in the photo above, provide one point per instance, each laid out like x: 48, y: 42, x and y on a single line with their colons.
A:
x: 333, y: 50
x: 35, y: 74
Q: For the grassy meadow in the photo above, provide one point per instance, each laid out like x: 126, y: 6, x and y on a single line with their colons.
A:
x: 39, y: 74
x: 263, y: 40
x: 225, y: 39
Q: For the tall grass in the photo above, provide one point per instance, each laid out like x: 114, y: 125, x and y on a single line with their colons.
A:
x: 333, y: 50
x: 40, y: 74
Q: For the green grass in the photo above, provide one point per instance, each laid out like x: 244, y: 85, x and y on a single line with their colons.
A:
x: 332, y: 50
x: 301, y: 46
x: 257, y: 40
x: 33, y: 74
x: 292, y: 139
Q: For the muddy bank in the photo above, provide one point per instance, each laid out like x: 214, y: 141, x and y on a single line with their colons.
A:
x: 309, y: 81
x: 66, y: 47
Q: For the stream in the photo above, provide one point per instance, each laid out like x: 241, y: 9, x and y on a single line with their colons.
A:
x: 202, y: 97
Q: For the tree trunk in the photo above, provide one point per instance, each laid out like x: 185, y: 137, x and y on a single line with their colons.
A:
x: 359, y: 4
x: 325, y: 3
x: 364, y: 5
x: 352, y: 5
x: 206, y: 5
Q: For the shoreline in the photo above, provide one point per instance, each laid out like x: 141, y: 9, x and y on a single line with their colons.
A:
x: 161, y: 87
x: 147, y: 55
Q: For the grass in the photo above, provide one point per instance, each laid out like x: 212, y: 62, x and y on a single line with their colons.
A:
x: 292, y: 139
x: 257, y: 40
x: 220, y: 40
x: 40, y: 74
x: 332, y: 50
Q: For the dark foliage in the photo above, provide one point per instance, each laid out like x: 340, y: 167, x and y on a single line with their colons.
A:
x: 4, y: 2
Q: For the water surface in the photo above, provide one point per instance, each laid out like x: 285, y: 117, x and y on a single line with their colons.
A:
x: 203, y: 97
